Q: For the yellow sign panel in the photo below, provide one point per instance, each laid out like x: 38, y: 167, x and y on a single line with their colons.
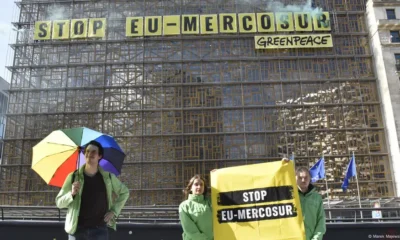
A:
x: 79, y: 28
x: 257, y: 202
x: 187, y: 24
x: 247, y: 22
x: 284, y: 22
x: 265, y: 22
x: 322, y: 22
x: 60, y: 29
x: 293, y: 41
x: 152, y: 26
x: 172, y: 25
x: 97, y: 28
x: 227, y: 23
x: 190, y: 24
x: 134, y: 27
x: 303, y: 22
x: 209, y: 24
x: 42, y: 30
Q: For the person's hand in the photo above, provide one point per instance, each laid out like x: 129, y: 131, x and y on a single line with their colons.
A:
x: 285, y: 159
x: 76, y: 186
x: 109, y: 216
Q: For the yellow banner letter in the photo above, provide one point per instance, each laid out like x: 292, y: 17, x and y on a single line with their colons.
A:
x: 60, y: 29
x: 303, y: 22
x: 42, y: 30
x: 209, y: 24
x: 227, y: 23
x: 190, y: 24
x: 152, y: 26
x: 265, y: 22
x: 284, y: 22
x: 172, y: 25
x: 134, y: 27
x: 247, y: 23
x: 322, y: 22
x: 79, y: 28
x: 97, y: 28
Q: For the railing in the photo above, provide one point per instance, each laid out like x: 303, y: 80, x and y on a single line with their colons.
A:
x: 169, y: 214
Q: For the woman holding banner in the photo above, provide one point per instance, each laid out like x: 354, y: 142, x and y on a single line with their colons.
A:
x: 195, y: 212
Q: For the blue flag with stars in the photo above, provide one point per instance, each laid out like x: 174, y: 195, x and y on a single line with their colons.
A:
x: 318, y: 170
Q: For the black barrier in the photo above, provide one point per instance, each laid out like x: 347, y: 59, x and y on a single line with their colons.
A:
x: 16, y: 230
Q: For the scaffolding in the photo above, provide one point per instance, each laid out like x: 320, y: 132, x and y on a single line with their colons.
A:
x: 181, y: 105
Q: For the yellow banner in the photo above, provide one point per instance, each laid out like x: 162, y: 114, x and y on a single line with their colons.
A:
x: 42, y: 30
x: 293, y: 41
x: 97, y: 28
x: 60, y: 29
x: 79, y: 28
x: 266, y: 22
x: 257, y: 202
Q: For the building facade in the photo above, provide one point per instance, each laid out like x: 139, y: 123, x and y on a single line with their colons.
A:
x: 383, y: 19
x: 186, y: 104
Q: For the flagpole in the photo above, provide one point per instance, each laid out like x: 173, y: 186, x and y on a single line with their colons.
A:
x: 358, y: 186
x: 294, y: 162
x: 326, y: 184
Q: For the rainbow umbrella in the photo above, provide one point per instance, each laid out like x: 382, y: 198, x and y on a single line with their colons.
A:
x: 61, y: 153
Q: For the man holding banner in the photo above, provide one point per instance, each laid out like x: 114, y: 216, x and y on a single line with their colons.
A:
x: 311, y: 205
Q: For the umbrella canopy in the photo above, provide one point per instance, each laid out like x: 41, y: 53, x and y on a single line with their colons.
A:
x: 61, y: 153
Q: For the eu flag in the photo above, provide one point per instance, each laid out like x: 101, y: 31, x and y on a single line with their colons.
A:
x: 318, y: 170
x: 351, y: 172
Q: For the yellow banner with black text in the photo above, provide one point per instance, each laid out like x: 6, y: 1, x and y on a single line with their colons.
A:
x: 257, y: 202
x: 193, y: 24
x: 293, y: 41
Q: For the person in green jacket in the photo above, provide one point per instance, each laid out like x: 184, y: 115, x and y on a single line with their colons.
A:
x: 311, y: 205
x: 87, y: 193
x: 195, y: 213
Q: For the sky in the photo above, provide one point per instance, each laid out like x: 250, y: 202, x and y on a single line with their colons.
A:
x: 7, y: 9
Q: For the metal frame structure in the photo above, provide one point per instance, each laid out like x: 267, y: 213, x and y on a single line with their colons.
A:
x: 187, y: 104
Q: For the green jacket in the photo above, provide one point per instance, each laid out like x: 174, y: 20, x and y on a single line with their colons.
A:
x: 64, y: 198
x: 195, y: 215
x: 313, y: 214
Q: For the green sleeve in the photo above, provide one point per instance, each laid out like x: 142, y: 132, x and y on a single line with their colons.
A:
x: 64, y: 197
x: 189, y: 227
x: 122, y: 195
x: 320, y: 228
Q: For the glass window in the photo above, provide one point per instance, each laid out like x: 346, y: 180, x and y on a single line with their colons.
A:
x: 394, y: 35
x: 390, y: 14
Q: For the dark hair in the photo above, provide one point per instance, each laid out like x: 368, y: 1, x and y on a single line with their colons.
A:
x: 191, y: 181
x: 98, y: 145
x: 302, y: 169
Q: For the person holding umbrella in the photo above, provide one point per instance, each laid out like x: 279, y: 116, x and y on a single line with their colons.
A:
x: 87, y: 193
